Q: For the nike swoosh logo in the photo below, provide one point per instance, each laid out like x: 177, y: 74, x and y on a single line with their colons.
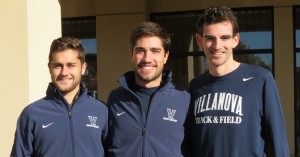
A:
x: 247, y: 79
x: 45, y: 126
x: 119, y: 114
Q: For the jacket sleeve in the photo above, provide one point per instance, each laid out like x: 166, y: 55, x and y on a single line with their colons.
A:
x: 108, y: 140
x: 23, y: 137
x: 188, y: 126
x: 105, y: 128
x: 274, y: 126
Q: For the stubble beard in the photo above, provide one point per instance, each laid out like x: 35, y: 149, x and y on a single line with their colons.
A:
x: 67, y: 89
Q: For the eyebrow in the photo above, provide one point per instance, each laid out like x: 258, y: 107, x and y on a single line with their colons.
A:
x: 142, y: 48
x: 223, y: 36
x: 139, y: 48
x: 60, y: 64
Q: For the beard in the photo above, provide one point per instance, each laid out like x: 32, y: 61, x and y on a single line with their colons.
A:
x: 67, y: 88
x: 149, y: 77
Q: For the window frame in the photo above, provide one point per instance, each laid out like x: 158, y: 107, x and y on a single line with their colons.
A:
x: 296, y: 50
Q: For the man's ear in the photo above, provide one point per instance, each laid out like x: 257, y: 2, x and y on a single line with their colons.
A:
x: 199, y: 40
x: 83, y: 68
x: 236, y: 40
x: 166, y: 57
x: 49, y: 66
x: 130, y: 54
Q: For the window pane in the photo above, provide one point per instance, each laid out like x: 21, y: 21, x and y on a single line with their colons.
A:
x: 90, y: 79
x: 90, y: 45
x: 181, y: 26
x: 262, y: 59
x: 298, y: 38
x: 297, y: 94
x: 81, y: 27
x: 298, y: 60
x: 178, y: 67
x: 185, y: 69
x: 256, y: 40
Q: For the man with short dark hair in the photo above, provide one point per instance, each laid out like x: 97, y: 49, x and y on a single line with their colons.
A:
x: 236, y: 109
x: 67, y: 122
x: 147, y: 112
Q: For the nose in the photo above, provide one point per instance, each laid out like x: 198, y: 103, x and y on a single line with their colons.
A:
x: 217, y: 44
x: 64, y: 70
x: 147, y: 56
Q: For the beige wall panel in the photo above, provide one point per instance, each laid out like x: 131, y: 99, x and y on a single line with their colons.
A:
x: 14, y: 69
x: 284, y: 70
x: 113, y: 49
x: 180, y: 5
x: 78, y: 8
x: 120, y: 6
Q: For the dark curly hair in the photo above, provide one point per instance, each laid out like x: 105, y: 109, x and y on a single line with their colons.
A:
x: 217, y: 14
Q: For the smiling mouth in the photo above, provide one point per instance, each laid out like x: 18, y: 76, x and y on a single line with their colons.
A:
x: 146, y: 68
x: 217, y: 53
x: 63, y: 80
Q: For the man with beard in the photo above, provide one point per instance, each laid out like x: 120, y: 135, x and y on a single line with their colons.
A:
x: 67, y: 122
x: 147, y: 112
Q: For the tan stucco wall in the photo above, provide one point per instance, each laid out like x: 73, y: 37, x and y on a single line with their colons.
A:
x: 27, y: 29
x: 115, y: 20
x: 78, y: 8
x: 284, y: 66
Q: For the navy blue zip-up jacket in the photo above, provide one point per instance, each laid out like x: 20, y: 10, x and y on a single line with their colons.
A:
x: 161, y: 134
x: 50, y: 128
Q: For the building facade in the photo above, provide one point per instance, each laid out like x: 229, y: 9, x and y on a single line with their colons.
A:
x: 270, y: 38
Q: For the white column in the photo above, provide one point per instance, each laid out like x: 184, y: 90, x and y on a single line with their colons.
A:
x: 27, y: 29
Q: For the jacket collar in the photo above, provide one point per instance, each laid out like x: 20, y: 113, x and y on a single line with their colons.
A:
x: 53, y: 93
x: 128, y: 78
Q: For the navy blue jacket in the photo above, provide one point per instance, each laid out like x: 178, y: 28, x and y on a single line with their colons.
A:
x: 161, y: 134
x: 50, y: 128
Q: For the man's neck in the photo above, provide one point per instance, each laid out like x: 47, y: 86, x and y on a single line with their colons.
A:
x: 224, y: 69
x: 72, y: 96
x: 155, y: 83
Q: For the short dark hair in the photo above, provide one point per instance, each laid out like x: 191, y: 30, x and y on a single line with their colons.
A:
x: 217, y: 14
x: 150, y: 29
x: 65, y: 43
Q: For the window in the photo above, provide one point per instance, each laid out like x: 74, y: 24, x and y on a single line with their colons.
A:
x: 297, y: 75
x: 187, y: 61
x: 84, y: 28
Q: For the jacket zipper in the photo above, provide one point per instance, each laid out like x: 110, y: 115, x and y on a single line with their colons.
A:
x: 144, y: 123
x: 69, y: 110
x: 72, y: 133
